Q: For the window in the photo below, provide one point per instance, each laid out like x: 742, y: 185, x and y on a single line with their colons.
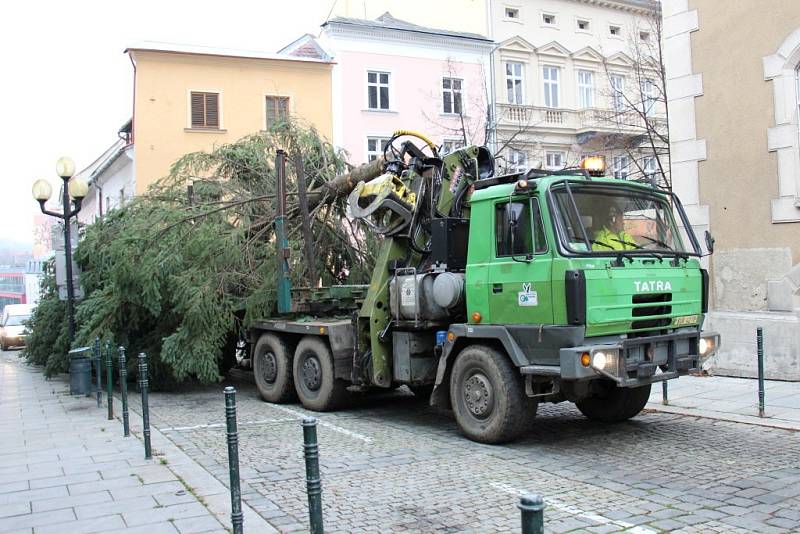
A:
x: 378, y: 90
x: 617, y: 90
x: 514, y: 83
x: 620, y: 167
x: 548, y: 19
x: 451, y: 95
x: 205, y: 110
x: 517, y: 161
x: 375, y: 146
x: 648, y: 96
x: 644, y: 36
x: 451, y: 145
x: 585, y: 88
x: 550, y: 77
x: 277, y: 110
x: 512, y: 13
x: 513, y: 225
x: 649, y: 166
x: 615, y: 31
x: 583, y: 25
x: 554, y: 160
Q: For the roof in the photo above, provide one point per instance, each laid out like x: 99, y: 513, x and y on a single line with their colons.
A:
x: 305, y: 46
x: 178, y: 48
x: 388, y: 22
x: 636, y: 5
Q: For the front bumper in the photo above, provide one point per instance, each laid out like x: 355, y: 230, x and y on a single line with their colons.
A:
x: 14, y: 341
x: 633, y: 362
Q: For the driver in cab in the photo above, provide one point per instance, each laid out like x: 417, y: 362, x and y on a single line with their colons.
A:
x: 612, y: 236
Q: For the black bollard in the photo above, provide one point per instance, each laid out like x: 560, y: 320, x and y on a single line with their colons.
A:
x: 148, y: 453
x: 110, y: 379
x: 664, y: 396
x: 760, y: 342
x: 123, y: 386
x: 237, y: 518
x: 532, y: 507
x: 313, y: 482
x: 98, y: 372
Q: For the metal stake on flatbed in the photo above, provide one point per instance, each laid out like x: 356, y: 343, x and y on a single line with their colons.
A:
x: 305, y: 220
x: 281, y: 241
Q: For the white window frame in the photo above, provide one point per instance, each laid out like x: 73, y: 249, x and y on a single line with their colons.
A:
x: 649, y: 167
x: 613, y: 25
x: 579, y: 20
x: 377, y: 84
x: 645, y: 36
x: 647, y: 89
x: 554, y: 160
x: 547, y: 83
x: 543, y: 24
x: 450, y: 144
x: 516, y: 9
x: 621, y: 167
x: 513, y: 77
x: 379, y: 150
x: 585, y: 88
x: 617, y: 92
x: 517, y: 160
x: 453, y: 92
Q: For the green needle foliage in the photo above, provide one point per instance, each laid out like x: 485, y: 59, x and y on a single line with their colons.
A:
x: 178, y: 274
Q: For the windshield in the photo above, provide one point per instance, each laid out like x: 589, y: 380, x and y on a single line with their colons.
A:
x: 16, y: 320
x: 614, y: 220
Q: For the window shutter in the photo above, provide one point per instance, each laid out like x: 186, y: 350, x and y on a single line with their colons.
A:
x: 212, y: 110
x: 198, y: 110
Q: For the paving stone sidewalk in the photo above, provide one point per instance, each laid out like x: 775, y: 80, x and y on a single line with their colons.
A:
x: 731, y: 399
x: 64, y: 467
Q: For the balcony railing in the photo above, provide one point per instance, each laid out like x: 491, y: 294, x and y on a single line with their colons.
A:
x: 582, y: 120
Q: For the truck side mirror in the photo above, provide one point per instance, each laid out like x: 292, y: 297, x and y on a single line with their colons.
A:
x: 710, y: 242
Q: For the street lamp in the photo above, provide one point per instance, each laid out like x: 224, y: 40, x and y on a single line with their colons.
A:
x: 77, y: 189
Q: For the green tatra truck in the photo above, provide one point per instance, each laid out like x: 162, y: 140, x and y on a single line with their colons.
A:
x: 492, y: 294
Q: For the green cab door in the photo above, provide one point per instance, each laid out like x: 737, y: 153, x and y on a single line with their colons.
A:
x: 519, y: 285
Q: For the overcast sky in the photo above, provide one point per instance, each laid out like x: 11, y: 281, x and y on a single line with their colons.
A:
x: 67, y: 86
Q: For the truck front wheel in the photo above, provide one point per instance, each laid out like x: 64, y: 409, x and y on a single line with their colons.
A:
x: 488, y: 396
x: 613, y: 404
x: 272, y: 367
x: 314, y: 379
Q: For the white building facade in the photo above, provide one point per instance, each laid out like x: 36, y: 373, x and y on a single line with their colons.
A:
x: 567, y: 83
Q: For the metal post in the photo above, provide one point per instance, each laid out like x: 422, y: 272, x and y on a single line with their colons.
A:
x: 281, y: 242
x: 664, y: 396
x: 760, y: 341
x: 532, y: 507
x: 123, y: 386
x: 237, y: 518
x: 110, y: 381
x: 68, y: 257
x: 148, y: 453
x: 98, y: 371
x: 313, y: 482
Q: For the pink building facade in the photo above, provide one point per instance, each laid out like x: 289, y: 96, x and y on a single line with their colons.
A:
x: 391, y: 75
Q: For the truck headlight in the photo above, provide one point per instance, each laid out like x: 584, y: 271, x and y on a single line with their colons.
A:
x: 708, y: 345
x: 606, y: 361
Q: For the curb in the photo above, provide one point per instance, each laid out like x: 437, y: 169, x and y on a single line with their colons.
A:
x: 732, y: 418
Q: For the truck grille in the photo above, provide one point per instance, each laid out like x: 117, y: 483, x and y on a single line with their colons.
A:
x: 656, y: 304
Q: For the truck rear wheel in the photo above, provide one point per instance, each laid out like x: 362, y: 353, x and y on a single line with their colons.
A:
x: 313, y: 373
x: 272, y: 367
x: 614, y: 404
x: 488, y: 396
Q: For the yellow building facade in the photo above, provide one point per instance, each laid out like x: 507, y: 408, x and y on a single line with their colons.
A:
x: 188, y: 99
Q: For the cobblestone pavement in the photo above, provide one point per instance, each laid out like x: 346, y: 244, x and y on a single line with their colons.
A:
x: 393, y: 464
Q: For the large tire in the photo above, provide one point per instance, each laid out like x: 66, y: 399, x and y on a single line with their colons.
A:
x: 488, y: 396
x: 313, y: 373
x: 272, y: 367
x: 614, y: 404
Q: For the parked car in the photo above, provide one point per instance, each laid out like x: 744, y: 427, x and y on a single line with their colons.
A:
x: 12, y: 327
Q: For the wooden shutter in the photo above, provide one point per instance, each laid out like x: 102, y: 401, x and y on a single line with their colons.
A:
x: 205, y: 110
